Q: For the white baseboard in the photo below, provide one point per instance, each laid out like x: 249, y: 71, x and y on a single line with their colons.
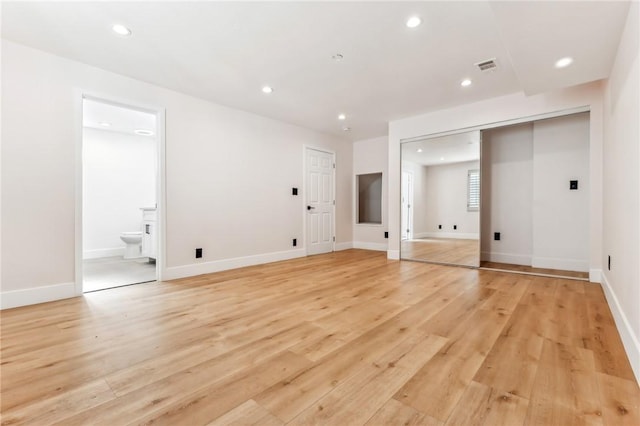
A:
x: 98, y: 253
x: 513, y: 259
x: 176, y: 272
x: 32, y: 296
x: 454, y: 235
x: 343, y: 246
x: 595, y: 275
x: 370, y: 246
x: 577, y: 265
x: 393, y: 254
x: 630, y: 341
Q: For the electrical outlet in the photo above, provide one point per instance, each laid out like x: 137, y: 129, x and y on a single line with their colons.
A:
x: 496, y: 236
x: 198, y: 253
x: 386, y: 234
x: 455, y: 226
x: 295, y: 242
x: 609, y: 262
x: 294, y: 191
x: 439, y: 226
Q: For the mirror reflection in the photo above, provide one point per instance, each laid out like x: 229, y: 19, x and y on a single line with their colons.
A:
x: 440, y: 199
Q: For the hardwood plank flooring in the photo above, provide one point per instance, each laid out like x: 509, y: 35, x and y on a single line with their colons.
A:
x: 454, y: 251
x: 532, y: 270
x: 347, y: 338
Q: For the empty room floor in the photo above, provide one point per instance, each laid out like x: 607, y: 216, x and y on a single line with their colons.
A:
x: 442, y: 250
x: 109, y: 272
x: 347, y: 338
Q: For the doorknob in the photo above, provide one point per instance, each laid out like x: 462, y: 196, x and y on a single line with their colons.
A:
x: 310, y: 207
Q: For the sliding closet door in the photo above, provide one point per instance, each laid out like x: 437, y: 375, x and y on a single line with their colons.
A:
x: 507, y: 195
x: 535, y: 194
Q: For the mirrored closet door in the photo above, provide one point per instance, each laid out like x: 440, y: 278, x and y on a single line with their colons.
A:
x: 440, y: 199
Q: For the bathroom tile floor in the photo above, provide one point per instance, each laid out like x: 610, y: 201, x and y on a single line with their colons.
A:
x: 109, y: 272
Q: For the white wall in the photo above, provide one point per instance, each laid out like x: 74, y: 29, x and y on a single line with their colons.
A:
x: 370, y: 156
x: 119, y: 173
x: 560, y: 215
x: 445, y: 202
x: 229, y: 176
x: 489, y: 113
x: 507, y: 194
x: 622, y: 189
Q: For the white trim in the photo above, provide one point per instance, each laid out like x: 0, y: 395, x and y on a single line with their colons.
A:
x: 393, y: 254
x: 370, y: 246
x: 107, y: 252
x: 176, y: 272
x: 578, y: 265
x: 452, y: 235
x: 595, y: 275
x: 34, y: 295
x: 630, y: 341
x: 514, y: 259
x: 343, y: 246
x: 78, y: 237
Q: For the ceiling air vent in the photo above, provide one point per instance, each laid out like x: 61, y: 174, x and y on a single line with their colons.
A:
x: 488, y: 65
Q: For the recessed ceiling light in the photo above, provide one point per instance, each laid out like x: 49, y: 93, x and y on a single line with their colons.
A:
x: 337, y: 57
x: 419, y: 150
x: 143, y: 132
x: 441, y: 158
x: 346, y: 129
x: 564, y: 62
x: 413, y: 22
x: 466, y: 82
x: 267, y: 89
x: 121, y: 30
x: 342, y: 117
x: 104, y: 124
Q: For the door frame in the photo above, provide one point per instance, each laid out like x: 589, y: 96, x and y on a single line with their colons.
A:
x: 305, y: 231
x: 410, y: 202
x: 160, y: 113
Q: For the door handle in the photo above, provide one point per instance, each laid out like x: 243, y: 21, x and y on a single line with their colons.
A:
x: 310, y: 207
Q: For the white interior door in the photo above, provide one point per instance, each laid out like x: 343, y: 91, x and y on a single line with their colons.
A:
x: 320, y: 201
x: 407, y: 201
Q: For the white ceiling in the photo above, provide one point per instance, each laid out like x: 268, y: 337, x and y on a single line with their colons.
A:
x: 96, y: 115
x: 226, y: 51
x: 456, y: 148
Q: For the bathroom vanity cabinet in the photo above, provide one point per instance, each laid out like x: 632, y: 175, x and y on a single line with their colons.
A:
x: 149, y: 237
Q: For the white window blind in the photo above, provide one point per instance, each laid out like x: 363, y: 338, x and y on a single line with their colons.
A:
x: 473, y: 190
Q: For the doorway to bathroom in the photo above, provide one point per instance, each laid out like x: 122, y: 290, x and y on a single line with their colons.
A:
x: 119, y: 195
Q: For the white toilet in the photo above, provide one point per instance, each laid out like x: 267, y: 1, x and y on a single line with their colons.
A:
x: 133, y: 241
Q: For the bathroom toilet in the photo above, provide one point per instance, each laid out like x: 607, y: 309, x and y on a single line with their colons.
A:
x: 133, y: 241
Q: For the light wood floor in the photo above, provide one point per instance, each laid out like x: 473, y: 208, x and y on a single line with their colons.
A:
x: 348, y: 338
x: 532, y: 270
x: 454, y: 251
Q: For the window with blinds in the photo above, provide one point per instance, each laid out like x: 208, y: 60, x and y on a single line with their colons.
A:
x: 473, y: 190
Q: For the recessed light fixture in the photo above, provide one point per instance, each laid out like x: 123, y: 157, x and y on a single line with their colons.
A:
x: 121, y: 30
x: 465, y: 83
x: 337, y: 57
x: 564, y: 62
x: 346, y: 129
x: 413, y: 22
x: 419, y: 150
x: 267, y: 89
x: 441, y: 158
x: 143, y: 132
x: 104, y: 124
x: 342, y: 117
